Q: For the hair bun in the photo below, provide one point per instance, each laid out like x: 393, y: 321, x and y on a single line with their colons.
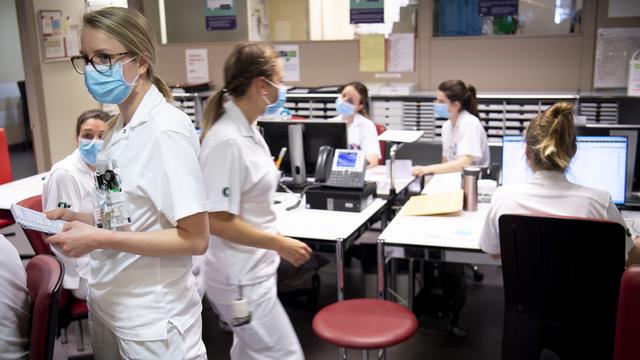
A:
x: 561, y: 108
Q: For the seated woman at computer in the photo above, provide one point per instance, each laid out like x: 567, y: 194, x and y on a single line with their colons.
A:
x: 550, y: 146
x: 353, y: 107
x: 70, y: 185
x: 464, y: 141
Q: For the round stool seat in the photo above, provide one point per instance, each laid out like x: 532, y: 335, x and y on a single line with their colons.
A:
x: 365, y: 324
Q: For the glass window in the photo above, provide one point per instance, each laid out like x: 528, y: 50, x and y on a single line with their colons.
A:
x: 531, y: 17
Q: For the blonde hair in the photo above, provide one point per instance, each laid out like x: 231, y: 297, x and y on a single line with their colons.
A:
x: 134, y: 32
x: 245, y: 63
x: 551, y: 138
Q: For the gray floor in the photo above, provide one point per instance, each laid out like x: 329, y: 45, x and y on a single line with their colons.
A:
x: 481, y: 316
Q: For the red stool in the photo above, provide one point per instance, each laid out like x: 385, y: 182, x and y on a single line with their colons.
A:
x: 365, y: 324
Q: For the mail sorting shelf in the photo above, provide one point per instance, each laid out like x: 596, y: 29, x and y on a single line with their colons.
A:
x: 500, y: 115
x: 312, y: 106
x: 192, y: 104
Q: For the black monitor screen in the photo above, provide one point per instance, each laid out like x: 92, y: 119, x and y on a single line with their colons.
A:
x: 315, y: 135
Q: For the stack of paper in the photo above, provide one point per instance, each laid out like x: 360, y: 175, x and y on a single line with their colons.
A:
x: 434, y: 204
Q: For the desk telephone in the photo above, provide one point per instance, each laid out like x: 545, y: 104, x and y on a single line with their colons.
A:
x: 340, y: 168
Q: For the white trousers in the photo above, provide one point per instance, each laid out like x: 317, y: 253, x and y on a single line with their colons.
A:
x: 270, y: 334
x: 108, y: 346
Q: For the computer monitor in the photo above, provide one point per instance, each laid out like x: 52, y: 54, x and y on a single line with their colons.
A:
x: 316, y: 133
x: 632, y: 133
x: 600, y: 162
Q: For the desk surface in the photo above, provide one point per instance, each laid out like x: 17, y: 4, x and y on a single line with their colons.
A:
x: 15, y: 191
x: 325, y: 225
x: 460, y: 230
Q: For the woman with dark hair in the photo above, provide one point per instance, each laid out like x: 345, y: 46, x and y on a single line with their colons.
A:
x: 353, y: 107
x: 70, y: 185
x: 464, y: 141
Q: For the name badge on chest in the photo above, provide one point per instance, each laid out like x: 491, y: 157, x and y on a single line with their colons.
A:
x: 110, y: 210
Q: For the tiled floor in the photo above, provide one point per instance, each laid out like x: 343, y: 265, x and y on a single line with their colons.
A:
x: 481, y: 316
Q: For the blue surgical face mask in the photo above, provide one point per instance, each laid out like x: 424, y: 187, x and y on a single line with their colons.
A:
x: 344, y: 108
x: 108, y: 86
x: 441, y: 110
x: 89, y: 150
x: 282, y: 97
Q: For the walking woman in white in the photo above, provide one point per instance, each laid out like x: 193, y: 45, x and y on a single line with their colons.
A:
x: 353, y: 107
x: 550, y: 146
x: 464, y: 141
x: 142, y: 297
x: 70, y: 185
x: 239, y: 269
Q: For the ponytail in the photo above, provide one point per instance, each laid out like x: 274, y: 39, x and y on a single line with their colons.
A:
x: 245, y: 63
x: 471, y: 101
x: 162, y: 87
x: 457, y: 90
x: 551, y: 138
x: 212, y: 112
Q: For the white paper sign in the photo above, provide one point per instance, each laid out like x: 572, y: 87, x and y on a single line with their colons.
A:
x: 290, y: 55
x: 401, y: 52
x: 633, y: 87
x: 197, y: 66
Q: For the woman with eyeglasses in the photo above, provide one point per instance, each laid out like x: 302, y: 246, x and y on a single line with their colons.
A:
x: 239, y: 269
x: 464, y: 140
x: 70, y: 185
x: 149, y: 213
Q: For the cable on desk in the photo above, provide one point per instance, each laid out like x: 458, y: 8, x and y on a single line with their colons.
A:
x: 301, y: 196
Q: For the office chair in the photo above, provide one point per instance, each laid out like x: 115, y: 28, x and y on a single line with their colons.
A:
x: 44, y: 282
x: 561, y: 283
x: 70, y: 307
x: 380, y: 128
x: 628, y: 323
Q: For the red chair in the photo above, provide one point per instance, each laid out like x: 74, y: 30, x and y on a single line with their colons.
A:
x: 5, y: 160
x: 44, y: 282
x: 70, y: 307
x: 628, y: 322
x: 5, y: 176
x: 380, y: 128
x: 365, y: 324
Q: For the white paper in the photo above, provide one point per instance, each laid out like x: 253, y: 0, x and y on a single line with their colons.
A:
x: 35, y: 220
x: 54, y: 47
x: 403, y: 169
x: 400, y: 136
x: 614, y: 47
x: 197, y: 66
x: 290, y: 55
x: 401, y: 52
x: 72, y: 41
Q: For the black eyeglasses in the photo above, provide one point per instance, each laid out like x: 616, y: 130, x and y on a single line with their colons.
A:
x: 98, y: 61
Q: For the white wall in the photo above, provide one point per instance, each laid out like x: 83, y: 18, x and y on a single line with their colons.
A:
x: 10, y: 71
x: 11, y: 60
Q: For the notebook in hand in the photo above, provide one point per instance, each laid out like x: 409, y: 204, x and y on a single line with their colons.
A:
x: 35, y: 220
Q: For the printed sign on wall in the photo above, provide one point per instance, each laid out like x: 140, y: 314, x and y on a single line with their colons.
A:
x: 220, y: 15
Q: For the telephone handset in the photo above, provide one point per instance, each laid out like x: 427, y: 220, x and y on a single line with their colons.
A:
x: 323, y: 164
x: 348, y: 169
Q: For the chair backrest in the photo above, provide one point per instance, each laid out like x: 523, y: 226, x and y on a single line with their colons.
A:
x: 35, y: 237
x: 380, y: 128
x: 44, y: 282
x: 561, y: 283
x: 5, y: 160
x: 628, y: 323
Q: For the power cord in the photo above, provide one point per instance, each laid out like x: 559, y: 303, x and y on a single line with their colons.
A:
x: 300, y: 196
